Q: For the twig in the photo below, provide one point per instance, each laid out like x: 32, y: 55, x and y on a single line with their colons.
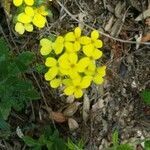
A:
x: 102, y: 33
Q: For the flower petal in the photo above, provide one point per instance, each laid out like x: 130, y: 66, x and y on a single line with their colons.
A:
x: 55, y: 83
x: 88, y: 50
x: 77, y: 32
x: 70, y: 37
x: 42, y: 10
x: 97, y: 54
x: 39, y: 20
x: 17, y: 2
x: 69, y: 46
x: 28, y: 27
x: 78, y: 93
x: 45, y: 42
x: 51, y: 74
x: 98, y: 43
x: 45, y: 50
x: 102, y: 71
x: 90, y: 69
x: 85, y: 40
x: 19, y: 27
x: 86, y: 81
x: 98, y: 79
x: 69, y: 90
x: 29, y: 2
x: 50, y: 62
x: 76, y: 46
x: 73, y: 58
x: 94, y: 35
x: 24, y: 18
x: 29, y: 11
x: 82, y: 64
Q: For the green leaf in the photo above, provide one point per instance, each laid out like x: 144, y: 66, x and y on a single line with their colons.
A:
x: 146, y: 96
x: 115, y: 138
x: 25, y: 57
x: 147, y: 145
x: 5, y: 109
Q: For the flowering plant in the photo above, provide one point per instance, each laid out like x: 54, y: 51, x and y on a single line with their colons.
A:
x: 31, y: 13
x: 71, y: 61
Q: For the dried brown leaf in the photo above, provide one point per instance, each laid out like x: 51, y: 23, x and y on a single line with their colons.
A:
x: 72, y: 123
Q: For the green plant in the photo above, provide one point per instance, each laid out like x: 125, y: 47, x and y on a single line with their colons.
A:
x: 116, y: 145
x: 147, y: 145
x: 145, y: 94
x: 15, y: 90
x: 75, y: 146
x: 49, y: 140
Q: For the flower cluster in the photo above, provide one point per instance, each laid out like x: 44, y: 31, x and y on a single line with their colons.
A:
x: 30, y: 14
x: 71, y: 61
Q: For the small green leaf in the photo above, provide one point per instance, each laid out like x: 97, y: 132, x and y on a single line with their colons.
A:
x: 124, y: 147
x: 146, y: 96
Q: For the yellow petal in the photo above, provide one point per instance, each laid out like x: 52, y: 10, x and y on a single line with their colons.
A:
x: 88, y: 50
x: 28, y: 27
x: 55, y: 83
x: 51, y: 74
x: 50, y: 62
x: 67, y: 82
x: 82, y: 64
x: 29, y: 2
x: 63, y: 58
x: 98, y: 43
x: 42, y: 10
x: 39, y: 21
x: 90, y: 70
x: 45, y: 50
x: 17, y: 2
x: 73, y: 58
x: 76, y: 81
x: 98, y: 79
x: 94, y: 35
x: 69, y: 90
x: 76, y: 46
x: 24, y: 18
x: 97, y: 54
x: 86, y: 81
x: 45, y: 42
x: 29, y: 11
x: 78, y: 93
x: 77, y: 32
x: 19, y: 27
x: 73, y: 74
x: 102, y: 71
x: 85, y: 40
x: 70, y: 37
x: 69, y: 46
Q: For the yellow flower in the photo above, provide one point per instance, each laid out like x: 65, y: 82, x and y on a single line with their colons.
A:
x: 18, y: 3
x: 58, y: 45
x: 46, y: 46
x: 91, y: 52
x: 68, y: 64
x: 29, y: 11
x: 100, y: 73
x: 28, y: 27
x: 73, y: 40
x: 77, y: 86
x: 94, y: 39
